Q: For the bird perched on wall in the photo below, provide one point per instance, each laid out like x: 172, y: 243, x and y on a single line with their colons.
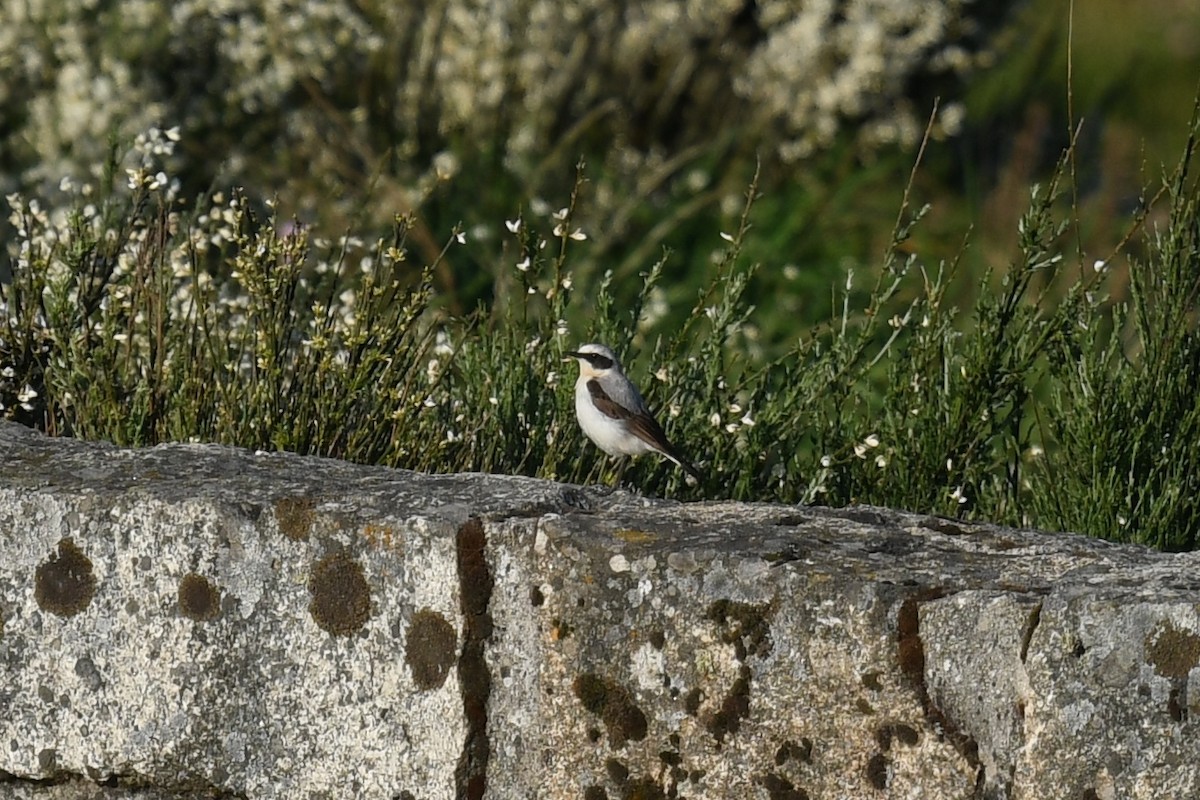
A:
x: 612, y: 412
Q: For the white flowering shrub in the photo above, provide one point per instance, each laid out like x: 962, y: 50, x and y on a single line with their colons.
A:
x: 124, y: 319
x: 267, y: 89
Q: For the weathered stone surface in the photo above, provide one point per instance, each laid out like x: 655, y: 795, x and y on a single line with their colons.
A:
x: 202, y: 621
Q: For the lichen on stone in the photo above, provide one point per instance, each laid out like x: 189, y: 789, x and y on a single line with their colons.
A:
x: 199, y: 598
x: 64, y: 584
x: 341, y: 598
x: 429, y: 649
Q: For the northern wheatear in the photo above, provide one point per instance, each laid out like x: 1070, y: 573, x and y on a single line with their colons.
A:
x: 612, y: 412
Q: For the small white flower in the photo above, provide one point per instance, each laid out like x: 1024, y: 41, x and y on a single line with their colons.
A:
x: 826, y: 462
x: 1100, y: 266
x: 732, y: 427
x: 26, y: 394
x: 727, y: 236
x: 734, y: 408
x: 871, y: 441
x: 461, y: 237
x: 1122, y: 520
x: 578, y: 235
x: 523, y: 265
x: 675, y: 410
x: 747, y: 420
x: 567, y: 283
x: 715, y: 419
x: 860, y: 450
x: 513, y: 225
x: 493, y: 400
x: 561, y: 214
x: 958, y: 495
x: 881, y: 461
x: 552, y: 379
x: 661, y: 374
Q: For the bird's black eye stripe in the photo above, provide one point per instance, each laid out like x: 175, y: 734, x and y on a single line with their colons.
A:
x: 599, y: 361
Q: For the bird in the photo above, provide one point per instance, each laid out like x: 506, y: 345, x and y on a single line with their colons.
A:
x: 612, y: 413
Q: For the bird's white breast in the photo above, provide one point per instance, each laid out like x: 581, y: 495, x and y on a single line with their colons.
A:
x: 609, y: 434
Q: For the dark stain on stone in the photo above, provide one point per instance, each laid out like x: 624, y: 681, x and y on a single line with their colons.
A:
x: 780, y: 788
x: 1089, y: 794
x: 295, y: 516
x: 559, y: 629
x: 536, y: 598
x: 406, y: 795
x: 905, y: 734
x: 877, y: 771
x: 867, y: 516
x: 745, y: 626
x: 864, y: 707
x: 657, y: 638
x: 614, y: 705
x: 1078, y: 650
x: 886, y: 735
x: 595, y: 793
x: 943, y: 525
x: 734, y: 708
x: 618, y: 772
x: 475, y: 586
x: 199, y: 599
x: 1174, y: 707
x: 692, y: 700
x: 1035, y: 617
x: 593, y: 735
x: 47, y: 760
x: 85, y: 669
x: 895, y: 544
x: 1172, y: 651
x: 670, y: 757
x: 64, y: 584
x: 429, y: 649
x: 644, y: 788
x: 871, y: 681
x: 341, y: 598
x: 789, y: 750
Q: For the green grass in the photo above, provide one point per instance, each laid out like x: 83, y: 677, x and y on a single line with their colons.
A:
x: 1038, y: 401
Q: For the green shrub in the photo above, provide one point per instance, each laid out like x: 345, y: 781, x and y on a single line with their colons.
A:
x: 129, y: 321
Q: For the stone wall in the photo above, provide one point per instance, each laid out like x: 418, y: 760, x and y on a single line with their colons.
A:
x: 198, y: 621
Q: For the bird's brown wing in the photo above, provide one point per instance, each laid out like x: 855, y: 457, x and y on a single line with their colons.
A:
x: 640, y: 424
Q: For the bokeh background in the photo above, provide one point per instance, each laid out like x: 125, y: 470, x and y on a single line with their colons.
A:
x: 346, y: 113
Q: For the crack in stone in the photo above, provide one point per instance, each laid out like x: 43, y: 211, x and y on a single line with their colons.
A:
x: 475, y: 585
x: 911, y: 653
x: 1035, y: 617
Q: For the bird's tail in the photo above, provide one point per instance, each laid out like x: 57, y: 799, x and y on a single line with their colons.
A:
x: 684, y: 464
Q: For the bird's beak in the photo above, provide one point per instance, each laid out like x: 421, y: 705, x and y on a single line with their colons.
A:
x: 572, y: 355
